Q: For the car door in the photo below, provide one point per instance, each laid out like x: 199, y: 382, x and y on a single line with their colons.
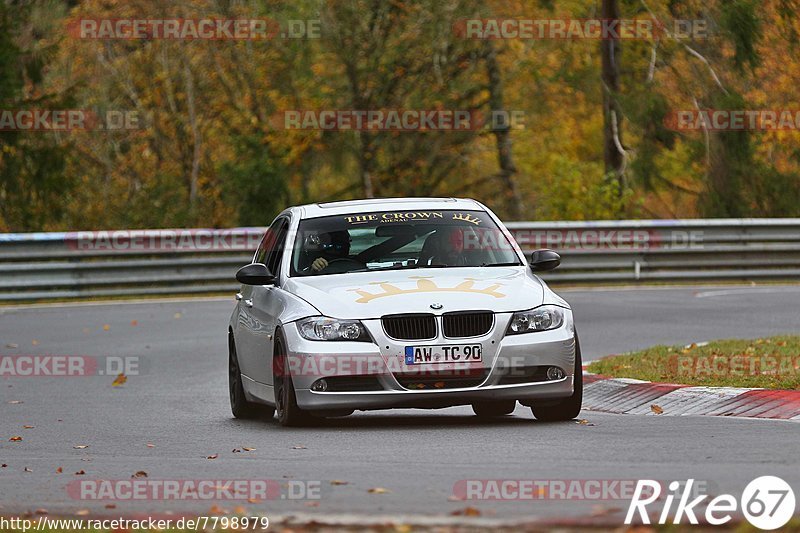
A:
x: 260, y: 307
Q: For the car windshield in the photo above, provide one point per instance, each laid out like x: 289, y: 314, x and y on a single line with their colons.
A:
x: 362, y: 242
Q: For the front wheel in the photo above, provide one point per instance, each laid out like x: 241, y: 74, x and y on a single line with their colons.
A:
x: 240, y: 407
x: 566, y: 408
x: 289, y: 414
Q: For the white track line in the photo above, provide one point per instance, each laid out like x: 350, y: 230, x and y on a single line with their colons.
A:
x: 185, y: 299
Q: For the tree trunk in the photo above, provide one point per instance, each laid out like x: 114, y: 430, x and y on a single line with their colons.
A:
x: 613, y: 155
x: 196, y: 141
x: 508, y: 169
x: 365, y: 156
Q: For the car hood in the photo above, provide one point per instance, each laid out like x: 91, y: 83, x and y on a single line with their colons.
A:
x: 365, y: 295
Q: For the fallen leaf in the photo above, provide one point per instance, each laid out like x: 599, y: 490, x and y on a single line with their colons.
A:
x: 216, y: 509
x: 106, y: 327
x: 312, y: 504
x: 583, y: 422
x: 467, y: 511
x: 213, y: 456
x: 110, y: 506
x: 12, y: 345
x: 253, y: 500
x: 27, y: 427
x: 656, y: 409
x: 134, y: 323
x: 139, y: 474
x: 119, y: 380
x: 299, y: 447
x: 35, y: 342
x: 439, y: 384
x: 4, y: 465
x: 453, y: 498
x: 236, y: 450
x: 82, y: 512
x: 80, y: 472
x: 151, y: 445
x: 248, y: 449
x: 59, y: 470
x: 81, y: 446
x: 15, y: 438
x: 28, y: 469
x: 338, y: 482
x: 14, y: 401
x: 239, y: 510
x: 40, y: 511
x: 177, y: 315
x: 378, y: 490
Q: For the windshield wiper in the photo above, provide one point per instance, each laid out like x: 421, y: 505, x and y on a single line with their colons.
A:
x: 500, y: 264
x: 378, y: 269
x: 435, y: 265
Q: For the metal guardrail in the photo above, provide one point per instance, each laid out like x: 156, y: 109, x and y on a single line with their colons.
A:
x: 35, y: 266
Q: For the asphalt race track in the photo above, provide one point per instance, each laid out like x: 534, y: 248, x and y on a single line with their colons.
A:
x: 179, y: 404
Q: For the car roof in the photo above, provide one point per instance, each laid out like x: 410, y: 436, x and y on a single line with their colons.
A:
x: 387, y: 204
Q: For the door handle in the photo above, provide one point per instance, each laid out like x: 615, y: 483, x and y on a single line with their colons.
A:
x: 239, y: 296
x: 248, y: 303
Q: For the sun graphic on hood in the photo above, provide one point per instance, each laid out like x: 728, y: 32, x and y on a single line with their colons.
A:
x: 425, y: 284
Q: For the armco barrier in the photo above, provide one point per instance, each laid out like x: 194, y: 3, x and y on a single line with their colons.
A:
x: 37, y: 266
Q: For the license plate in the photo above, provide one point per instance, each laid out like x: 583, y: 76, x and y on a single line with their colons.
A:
x: 450, y: 353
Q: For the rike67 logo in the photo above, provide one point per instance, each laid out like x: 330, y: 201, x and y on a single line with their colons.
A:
x: 767, y: 502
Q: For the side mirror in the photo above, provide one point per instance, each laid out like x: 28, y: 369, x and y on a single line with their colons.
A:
x: 542, y: 260
x: 255, y: 274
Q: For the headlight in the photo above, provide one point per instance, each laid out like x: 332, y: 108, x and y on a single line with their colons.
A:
x: 540, y: 319
x: 322, y: 328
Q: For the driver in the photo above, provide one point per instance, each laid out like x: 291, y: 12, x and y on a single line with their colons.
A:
x: 330, y: 246
x: 444, y: 247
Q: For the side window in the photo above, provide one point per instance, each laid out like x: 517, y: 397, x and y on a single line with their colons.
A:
x: 275, y: 251
x: 268, y: 242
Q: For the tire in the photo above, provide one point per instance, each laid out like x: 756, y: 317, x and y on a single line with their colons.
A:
x: 289, y: 414
x: 566, y: 408
x: 240, y: 407
x: 495, y: 408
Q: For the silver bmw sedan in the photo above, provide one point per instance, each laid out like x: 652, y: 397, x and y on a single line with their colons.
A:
x: 399, y: 303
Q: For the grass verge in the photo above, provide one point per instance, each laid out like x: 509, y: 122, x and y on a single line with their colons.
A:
x: 772, y: 363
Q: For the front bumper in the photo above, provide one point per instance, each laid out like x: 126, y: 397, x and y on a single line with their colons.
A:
x: 383, y: 363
